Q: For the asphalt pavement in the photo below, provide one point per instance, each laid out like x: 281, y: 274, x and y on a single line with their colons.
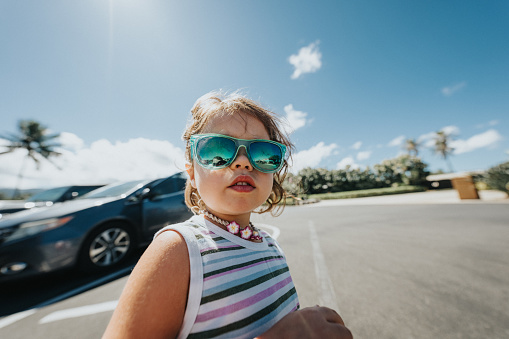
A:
x: 417, y: 265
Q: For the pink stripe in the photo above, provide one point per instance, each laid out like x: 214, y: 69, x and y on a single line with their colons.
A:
x: 239, y: 269
x: 221, y: 312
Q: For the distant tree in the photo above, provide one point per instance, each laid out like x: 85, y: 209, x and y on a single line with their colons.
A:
x: 412, y: 146
x: 400, y: 171
x: 35, y: 140
x: 497, y: 177
x: 292, y: 184
x: 443, y: 148
x: 403, y: 170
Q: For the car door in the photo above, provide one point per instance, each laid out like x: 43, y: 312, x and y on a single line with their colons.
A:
x: 164, y: 205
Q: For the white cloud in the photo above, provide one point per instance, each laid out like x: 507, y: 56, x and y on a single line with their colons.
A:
x: 309, y: 60
x: 296, y: 119
x: 4, y: 142
x: 451, y: 130
x: 489, y: 123
x: 450, y: 90
x: 357, y: 145
x: 347, y: 162
x: 312, y: 157
x: 486, y: 139
x: 102, y: 162
x: 482, y: 140
x: 70, y: 141
x: 396, y: 141
x: 423, y: 139
x: 428, y: 139
x: 363, y: 155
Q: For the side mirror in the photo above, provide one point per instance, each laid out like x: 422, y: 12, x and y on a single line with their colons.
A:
x: 145, y: 193
x: 140, y: 195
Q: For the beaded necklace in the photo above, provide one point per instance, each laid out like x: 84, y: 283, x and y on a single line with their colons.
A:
x: 248, y: 233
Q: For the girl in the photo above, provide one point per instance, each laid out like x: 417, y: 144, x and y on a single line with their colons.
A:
x: 217, y: 275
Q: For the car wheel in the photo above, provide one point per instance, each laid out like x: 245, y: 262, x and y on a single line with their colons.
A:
x: 107, y: 246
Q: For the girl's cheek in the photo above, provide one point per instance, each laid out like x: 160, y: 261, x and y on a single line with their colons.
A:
x: 268, y: 182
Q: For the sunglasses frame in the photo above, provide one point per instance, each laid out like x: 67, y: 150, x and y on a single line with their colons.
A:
x: 238, y: 143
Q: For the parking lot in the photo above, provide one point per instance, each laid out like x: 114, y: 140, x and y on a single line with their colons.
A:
x: 393, y: 270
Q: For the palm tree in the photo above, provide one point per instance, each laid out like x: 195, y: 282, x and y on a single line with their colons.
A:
x: 442, y: 141
x: 34, y: 139
x: 412, y: 146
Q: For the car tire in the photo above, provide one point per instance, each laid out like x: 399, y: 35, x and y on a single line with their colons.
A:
x: 107, y: 246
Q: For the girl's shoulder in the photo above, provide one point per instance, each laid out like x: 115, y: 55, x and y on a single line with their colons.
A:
x: 194, y: 224
x: 147, y: 288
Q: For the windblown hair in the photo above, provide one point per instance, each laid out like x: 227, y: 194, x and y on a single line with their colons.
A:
x: 214, y: 104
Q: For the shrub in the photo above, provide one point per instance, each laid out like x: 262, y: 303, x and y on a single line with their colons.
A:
x: 497, y: 177
x: 401, y: 171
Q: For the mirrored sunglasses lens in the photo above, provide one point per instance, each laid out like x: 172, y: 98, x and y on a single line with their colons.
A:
x: 215, y: 152
x: 266, y: 156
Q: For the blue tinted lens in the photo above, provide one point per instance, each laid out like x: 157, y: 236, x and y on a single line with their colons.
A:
x: 215, y: 152
x: 265, y: 156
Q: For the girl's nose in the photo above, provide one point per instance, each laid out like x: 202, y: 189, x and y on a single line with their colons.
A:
x: 241, y: 161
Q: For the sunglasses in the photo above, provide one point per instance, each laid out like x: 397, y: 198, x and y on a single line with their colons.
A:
x: 216, y: 151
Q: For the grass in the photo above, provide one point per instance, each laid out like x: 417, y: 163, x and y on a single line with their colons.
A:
x: 357, y: 194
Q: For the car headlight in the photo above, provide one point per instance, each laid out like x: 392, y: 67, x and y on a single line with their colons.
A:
x: 30, y: 228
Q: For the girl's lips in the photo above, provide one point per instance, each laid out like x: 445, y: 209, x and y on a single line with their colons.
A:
x: 242, y: 188
x: 243, y: 183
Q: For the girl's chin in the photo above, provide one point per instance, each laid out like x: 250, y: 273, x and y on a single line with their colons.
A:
x: 235, y: 209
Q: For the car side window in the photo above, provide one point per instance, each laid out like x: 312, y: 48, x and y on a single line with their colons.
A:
x: 79, y: 191
x: 75, y: 192
x: 170, y: 185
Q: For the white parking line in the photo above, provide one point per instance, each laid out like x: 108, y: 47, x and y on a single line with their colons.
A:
x: 87, y: 287
x: 326, y: 297
x: 15, y: 317
x: 8, y: 320
x: 79, y: 311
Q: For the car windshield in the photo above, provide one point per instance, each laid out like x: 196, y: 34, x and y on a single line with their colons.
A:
x: 113, y: 190
x: 49, y: 195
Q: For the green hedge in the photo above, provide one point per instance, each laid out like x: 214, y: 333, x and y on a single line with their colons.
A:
x: 497, y: 177
x: 404, y: 170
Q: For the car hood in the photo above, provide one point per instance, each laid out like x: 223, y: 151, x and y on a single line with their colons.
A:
x: 6, y: 204
x: 55, y: 211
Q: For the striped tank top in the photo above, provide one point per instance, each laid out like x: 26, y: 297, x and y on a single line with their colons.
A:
x: 238, y: 289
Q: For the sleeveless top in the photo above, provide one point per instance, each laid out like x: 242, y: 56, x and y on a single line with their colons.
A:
x: 238, y: 288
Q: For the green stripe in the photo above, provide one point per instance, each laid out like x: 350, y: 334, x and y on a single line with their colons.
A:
x: 226, y: 269
x: 200, y: 236
x: 217, y: 250
x: 246, y: 321
x: 243, y: 287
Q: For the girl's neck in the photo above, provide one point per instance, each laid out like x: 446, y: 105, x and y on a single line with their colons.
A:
x: 242, y: 219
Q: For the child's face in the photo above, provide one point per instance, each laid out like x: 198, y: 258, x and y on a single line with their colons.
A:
x: 222, y: 198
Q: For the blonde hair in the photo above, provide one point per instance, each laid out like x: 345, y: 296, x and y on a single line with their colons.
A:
x: 215, y: 104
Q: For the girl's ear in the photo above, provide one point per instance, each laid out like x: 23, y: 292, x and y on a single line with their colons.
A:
x: 190, y: 172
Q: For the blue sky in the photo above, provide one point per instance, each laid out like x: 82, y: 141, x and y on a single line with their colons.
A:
x: 354, y: 78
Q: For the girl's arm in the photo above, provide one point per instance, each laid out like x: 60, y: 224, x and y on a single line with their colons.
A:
x: 153, y: 302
